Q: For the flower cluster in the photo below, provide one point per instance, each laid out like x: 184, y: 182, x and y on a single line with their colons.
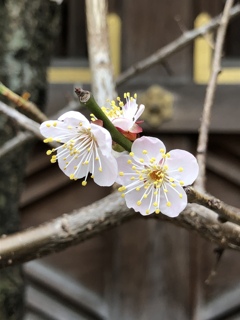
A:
x: 151, y: 179
x: 125, y: 116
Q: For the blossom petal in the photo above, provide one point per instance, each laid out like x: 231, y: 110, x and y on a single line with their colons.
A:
x: 73, y: 115
x: 149, y: 144
x: 146, y: 207
x: 72, y: 164
x: 136, y: 128
x: 173, y: 202
x: 125, y: 163
x: 103, y: 138
x: 124, y: 124
x: 57, y: 130
x: 140, y: 110
x: 130, y: 108
x: 108, y: 173
x: 182, y: 166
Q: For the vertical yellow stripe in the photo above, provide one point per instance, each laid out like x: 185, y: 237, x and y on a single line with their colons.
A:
x: 202, y: 54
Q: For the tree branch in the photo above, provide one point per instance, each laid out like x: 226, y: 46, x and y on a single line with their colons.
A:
x: 73, y: 228
x: 27, y: 105
x: 209, y: 98
x: 225, y: 211
x: 161, y: 54
x: 103, y: 85
x: 21, y: 119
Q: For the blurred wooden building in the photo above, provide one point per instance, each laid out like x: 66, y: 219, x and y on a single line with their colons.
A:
x: 143, y: 269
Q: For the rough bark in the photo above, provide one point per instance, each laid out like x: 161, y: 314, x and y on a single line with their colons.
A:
x: 27, y: 29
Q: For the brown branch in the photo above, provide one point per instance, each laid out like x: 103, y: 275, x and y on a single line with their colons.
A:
x: 22, y: 103
x: 225, y: 211
x: 209, y: 98
x: 176, y: 45
x: 73, y: 228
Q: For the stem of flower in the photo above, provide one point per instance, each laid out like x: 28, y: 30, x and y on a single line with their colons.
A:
x: 87, y: 99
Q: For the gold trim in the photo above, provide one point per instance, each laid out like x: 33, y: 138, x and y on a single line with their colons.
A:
x: 202, y: 58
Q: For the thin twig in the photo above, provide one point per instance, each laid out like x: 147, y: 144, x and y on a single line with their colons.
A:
x: 19, y: 101
x: 21, y: 119
x: 219, y: 253
x: 209, y: 98
x: 173, y: 47
x: 225, y: 211
x: 70, y: 229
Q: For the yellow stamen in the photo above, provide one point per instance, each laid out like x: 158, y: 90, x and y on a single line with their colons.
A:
x: 48, y: 140
x: 122, y: 188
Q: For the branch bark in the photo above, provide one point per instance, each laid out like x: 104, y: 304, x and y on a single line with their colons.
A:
x: 225, y: 211
x: 75, y: 227
x: 103, y: 85
x: 209, y: 98
x: 161, y: 54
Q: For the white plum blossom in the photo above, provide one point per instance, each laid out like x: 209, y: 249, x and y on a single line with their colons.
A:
x: 152, y: 180
x: 86, y: 148
x: 125, y: 116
